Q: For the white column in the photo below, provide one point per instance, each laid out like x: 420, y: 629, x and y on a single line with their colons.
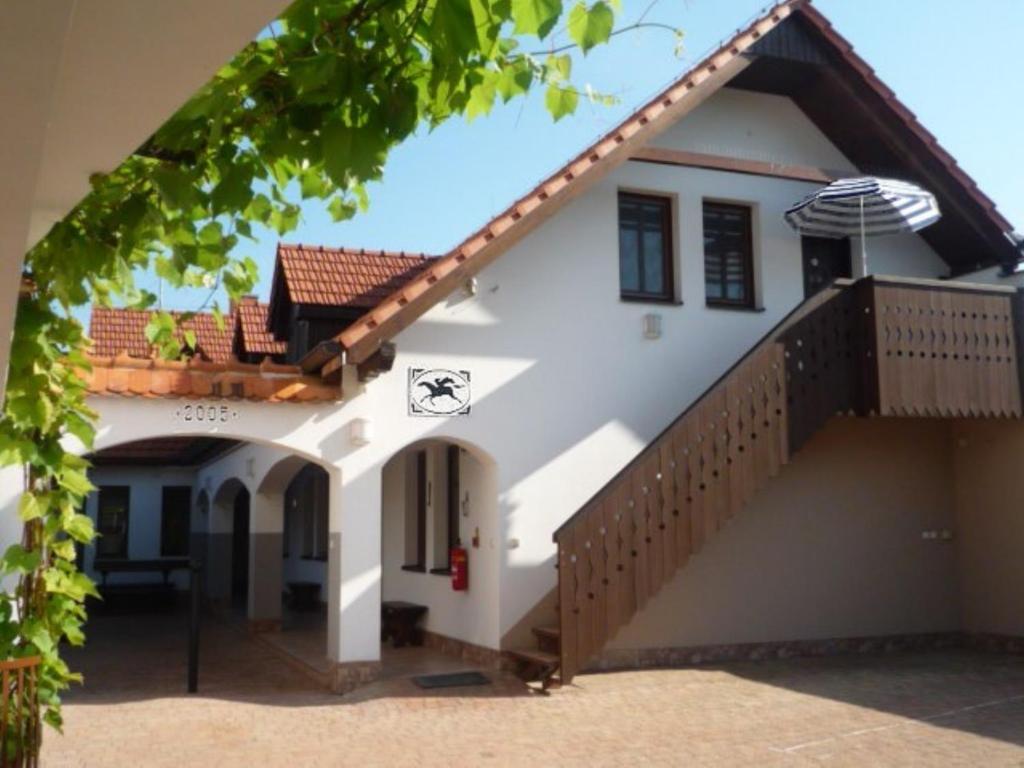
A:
x: 266, y: 532
x: 354, y: 566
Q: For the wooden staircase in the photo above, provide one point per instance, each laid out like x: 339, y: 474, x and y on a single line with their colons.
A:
x: 874, y: 347
x: 540, y: 664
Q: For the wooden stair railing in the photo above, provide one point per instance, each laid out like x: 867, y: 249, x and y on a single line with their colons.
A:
x: 878, y: 346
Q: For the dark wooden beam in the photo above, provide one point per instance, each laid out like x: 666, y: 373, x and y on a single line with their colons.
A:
x: 379, y: 362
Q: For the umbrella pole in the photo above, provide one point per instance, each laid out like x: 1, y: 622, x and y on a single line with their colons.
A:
x: 863, y: 241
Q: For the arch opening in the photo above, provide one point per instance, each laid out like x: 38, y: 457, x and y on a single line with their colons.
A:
x: 254, y: 515
x: 440, y: 495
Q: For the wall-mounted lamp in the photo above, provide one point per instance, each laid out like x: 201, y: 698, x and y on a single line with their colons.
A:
x: 360, y: 431
x: 470, y: 286
x: 652, y: 326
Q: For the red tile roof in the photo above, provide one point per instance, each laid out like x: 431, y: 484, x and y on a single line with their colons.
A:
x: 344, y: 277
x: 441, y: 276
x: 251, y: 318
x: 128, y: 376
x: 117, y: 331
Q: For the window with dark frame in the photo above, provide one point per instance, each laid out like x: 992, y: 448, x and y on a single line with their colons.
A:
x: 728, y: 255
x: 418, y: 534
x: 112, y: 521
x: 306, y: 502
x: 645, y: 247
x: 175, y: 520
x: 452, y: 517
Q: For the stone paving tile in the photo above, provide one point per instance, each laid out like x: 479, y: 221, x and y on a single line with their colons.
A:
x: 928, y: 709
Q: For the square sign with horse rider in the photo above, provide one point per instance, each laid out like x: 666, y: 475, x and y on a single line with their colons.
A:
x: 438, y: 392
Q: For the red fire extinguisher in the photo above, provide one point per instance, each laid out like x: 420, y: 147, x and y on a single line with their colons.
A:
x: 460, y: 568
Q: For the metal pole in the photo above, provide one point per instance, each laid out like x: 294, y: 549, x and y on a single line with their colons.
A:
x: 194, y: 570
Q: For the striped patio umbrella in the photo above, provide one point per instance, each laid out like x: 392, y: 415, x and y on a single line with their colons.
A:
x: 864, y: 207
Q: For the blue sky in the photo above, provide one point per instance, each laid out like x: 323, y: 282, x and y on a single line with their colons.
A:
x: 957, y: 67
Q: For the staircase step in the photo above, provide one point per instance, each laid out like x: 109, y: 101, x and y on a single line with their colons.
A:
x: 549, y: 639
x: 536, y: 666
x: 549, y: 633
x: 535, y: 658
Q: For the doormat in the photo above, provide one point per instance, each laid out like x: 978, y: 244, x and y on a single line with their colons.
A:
x: 451, y: 680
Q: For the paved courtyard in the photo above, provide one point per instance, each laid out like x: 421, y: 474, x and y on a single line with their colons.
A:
x: 925, y: 709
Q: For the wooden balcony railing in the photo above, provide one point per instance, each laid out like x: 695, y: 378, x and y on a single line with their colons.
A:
x: 20, y: 731
x: 878, y: 346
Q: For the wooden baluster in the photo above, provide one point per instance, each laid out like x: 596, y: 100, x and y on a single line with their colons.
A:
x: 947, y: 366
x: 569, y: 624
x: 936, y: 331
x: 627, y: 552
x: 4, y: 727
x: 667, y: 504
x: 718, y: 412
x: 648, y: 471
x: 734, y: 461
x: 695, y: 494
x: 584, y: 603
x: 706, y: 451
x: 638, y: 514
x: 684, y: 503
x: 613, y: 564
x: 598, y: 576
x: 781, y: 407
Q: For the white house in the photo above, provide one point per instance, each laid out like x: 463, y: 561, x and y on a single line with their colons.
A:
x: 629, y: 358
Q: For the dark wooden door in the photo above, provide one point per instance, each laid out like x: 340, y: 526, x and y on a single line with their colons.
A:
x: 824, y: 259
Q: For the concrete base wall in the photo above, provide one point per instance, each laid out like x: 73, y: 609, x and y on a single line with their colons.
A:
x: 832, y: 548
x: 989, y: 460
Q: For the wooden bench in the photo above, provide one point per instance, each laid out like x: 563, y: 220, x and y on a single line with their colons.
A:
x: 304, y: 595
x: 138, y: 596
x: 398, y: 620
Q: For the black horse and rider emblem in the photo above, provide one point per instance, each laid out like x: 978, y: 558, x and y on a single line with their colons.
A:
x: 438, y: 392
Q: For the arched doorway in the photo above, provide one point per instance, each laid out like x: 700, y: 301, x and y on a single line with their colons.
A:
x: 436, y: 495
x: 240, y: 548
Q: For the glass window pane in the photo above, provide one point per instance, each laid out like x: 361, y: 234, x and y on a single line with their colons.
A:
x: 629, y: 260
x: 644, y: 240
x: 728, y: 261
x: 653, y: 262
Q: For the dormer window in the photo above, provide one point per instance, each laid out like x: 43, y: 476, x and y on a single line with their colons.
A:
x: 645, y: 247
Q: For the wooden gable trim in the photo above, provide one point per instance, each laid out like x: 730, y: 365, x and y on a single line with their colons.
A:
x: 406, y: 305
x: 663, y: 156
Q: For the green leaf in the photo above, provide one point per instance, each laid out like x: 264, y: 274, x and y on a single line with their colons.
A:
x: 560, y: 101
x: 80, y: 528
x: 234, y: 191
x: 177, y: 188
x: 350, y: 152
x: 190, y: 338
x: 76, y: 481
x: 535, y: 17
x: 481, y: 98
x: 590, y: 27
x: 17, y: 560
x: 30, y: 507
x: 514, y: 80
x: 454, y: 28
